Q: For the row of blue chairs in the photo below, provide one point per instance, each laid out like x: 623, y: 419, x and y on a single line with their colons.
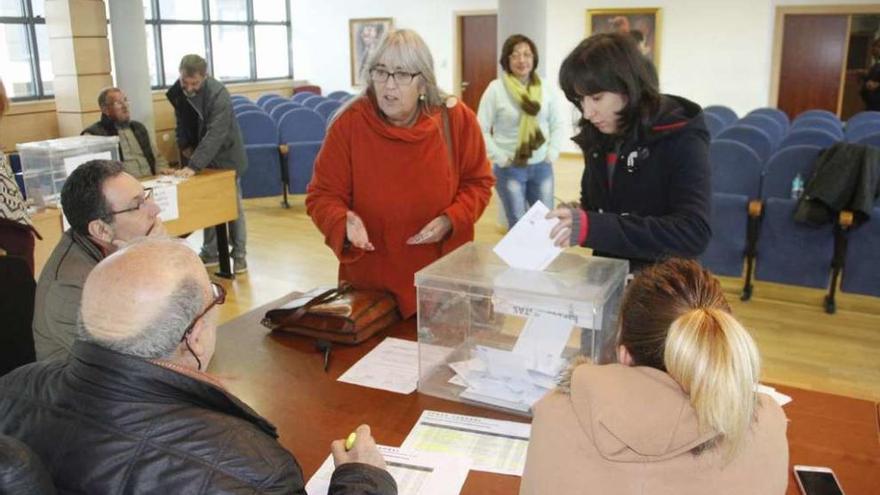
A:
x: 791, y: 253
x: 738, y: 171
x: 276, y: 106
x: 282, y: 139
x: 766, y: 130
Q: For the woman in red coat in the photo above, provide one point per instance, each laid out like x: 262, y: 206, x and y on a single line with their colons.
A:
x: 392, y: 190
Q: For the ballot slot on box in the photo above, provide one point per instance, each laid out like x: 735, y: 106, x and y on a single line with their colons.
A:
x: 509, y: 332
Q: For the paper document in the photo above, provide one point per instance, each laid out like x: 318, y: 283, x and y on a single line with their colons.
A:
x: 516, y: 379
x: 528, y: 244
x: 491, y: 445
x: 416, y: 473
x: 71, y: 162
x: 779, y: 397
x: 392, y: 365
x: 165, y: 197
x: 543, y: 335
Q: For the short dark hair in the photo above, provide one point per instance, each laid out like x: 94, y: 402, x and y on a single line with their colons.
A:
x: 102, y: 96
x: 193, y: 64
x: 82, y: 197
x: 611, y: 62
x: 507, y: 50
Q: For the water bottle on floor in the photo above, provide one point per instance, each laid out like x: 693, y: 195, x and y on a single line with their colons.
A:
x: 797, y: 187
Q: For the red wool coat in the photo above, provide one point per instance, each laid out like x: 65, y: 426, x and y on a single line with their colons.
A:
x: 397, y: 180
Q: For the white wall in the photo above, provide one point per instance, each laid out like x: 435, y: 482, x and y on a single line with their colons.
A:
x: 321, y: 40
x: 711, y: 51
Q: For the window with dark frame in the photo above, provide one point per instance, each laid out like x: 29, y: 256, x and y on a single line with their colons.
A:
x: 24, y: 50
x: 242, y: 40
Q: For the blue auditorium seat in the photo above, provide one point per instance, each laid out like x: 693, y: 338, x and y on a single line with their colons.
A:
x: 727, y: 247
x: 813, y: 137
x: 793, y: 253
x: 726, y: 114
x: 327, y: 108
x: 753, y: 137
x: 303, y: 130
x: 825, y: 124
x: 736, y: 168
x: 784, y: 166
x: 774, y: 113
x: 339, y: 95
x: 263, y: 176
x: 861, y: 274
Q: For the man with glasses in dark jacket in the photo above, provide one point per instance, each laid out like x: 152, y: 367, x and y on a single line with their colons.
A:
x: 132, y: 410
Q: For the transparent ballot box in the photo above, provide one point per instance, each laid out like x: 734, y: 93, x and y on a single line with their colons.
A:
x: 500, y: 336
x: 45, y: 165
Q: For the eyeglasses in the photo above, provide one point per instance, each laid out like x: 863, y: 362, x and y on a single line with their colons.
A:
x: 400, y: 77
x: 219, y: 299
x: 148, y: 193
x: 521, y: 56
x: 120, y: 103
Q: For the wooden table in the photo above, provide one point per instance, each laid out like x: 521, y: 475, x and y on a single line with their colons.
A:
x: 205, y: 200
x: 282, y: 377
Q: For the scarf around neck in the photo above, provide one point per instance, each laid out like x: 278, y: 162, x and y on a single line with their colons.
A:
x: 529, y: 100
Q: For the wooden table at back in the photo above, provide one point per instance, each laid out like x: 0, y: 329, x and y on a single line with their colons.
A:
x: 282, y: 377
x: 205, y: 200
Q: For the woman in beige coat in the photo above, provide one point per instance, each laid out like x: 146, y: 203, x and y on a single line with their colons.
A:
x: 678, y: 414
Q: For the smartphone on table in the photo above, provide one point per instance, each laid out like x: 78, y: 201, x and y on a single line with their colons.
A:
x: 817, y: 480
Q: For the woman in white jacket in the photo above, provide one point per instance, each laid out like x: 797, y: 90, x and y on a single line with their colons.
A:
x: 522, y: 123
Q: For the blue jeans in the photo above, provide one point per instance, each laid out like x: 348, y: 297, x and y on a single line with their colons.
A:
x: 237, y: 233
x: 520, y: 187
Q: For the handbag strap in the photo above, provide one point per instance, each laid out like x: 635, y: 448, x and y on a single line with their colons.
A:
x: 447, y: 135
x: 322, y: 298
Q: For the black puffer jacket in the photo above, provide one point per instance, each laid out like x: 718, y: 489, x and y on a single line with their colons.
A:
x: 658, y: 204
x: 104, y: 422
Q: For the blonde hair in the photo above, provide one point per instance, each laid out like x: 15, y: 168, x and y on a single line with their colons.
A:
x: 716, y: 362
x: 675, y: 318
x: 402, y: 48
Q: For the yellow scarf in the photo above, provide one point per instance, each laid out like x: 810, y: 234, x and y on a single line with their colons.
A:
x: 529, y: 101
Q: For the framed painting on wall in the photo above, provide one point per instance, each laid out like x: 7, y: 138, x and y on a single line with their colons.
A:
x: 365, y: 35
x: 642, y: 24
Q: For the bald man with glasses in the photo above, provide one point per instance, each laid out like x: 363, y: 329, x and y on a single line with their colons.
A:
x: 106, y: 208
x: 133, y: 410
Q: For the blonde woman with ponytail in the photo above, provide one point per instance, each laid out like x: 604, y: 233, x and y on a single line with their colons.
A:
x: 678, y: 414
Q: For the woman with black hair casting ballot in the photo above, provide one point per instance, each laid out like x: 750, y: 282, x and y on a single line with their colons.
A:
x: 645, y: 191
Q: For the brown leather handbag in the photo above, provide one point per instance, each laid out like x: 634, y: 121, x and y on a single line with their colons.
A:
x: 343, y: 314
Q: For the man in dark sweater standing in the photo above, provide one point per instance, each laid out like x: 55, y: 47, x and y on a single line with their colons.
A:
x: 208, y: 137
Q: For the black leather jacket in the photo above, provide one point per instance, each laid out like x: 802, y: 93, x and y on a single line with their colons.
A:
x: 104, y: 422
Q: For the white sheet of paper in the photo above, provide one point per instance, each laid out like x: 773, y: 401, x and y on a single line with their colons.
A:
x: 492, y: 445
x: 416, y: 473
x: 503, y: 365
x: 543, y: 335
x: 166, y: 199
x: 71, y: 162
x: 528, y: 245
x: 392, y: 365
x: 779, y: 397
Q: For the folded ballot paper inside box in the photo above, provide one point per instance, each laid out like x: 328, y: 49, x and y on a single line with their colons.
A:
x: 510, y: 332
